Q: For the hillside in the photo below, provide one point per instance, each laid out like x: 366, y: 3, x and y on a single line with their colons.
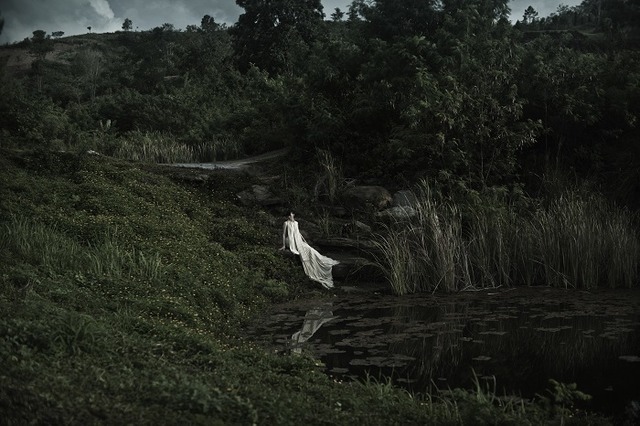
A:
x: 18, y: 59
x: 123, y: 295
x: 122, y: 291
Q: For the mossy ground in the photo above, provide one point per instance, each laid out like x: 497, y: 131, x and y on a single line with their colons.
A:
x: 122, y: 295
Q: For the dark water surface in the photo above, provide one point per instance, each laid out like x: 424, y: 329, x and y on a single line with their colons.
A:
x: 520, y: 338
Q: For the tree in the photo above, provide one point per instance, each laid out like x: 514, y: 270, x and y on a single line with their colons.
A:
x: 165, y: 28
x: 208, y: 24
x: 204, y: 48
x: 393, y: 18
x: 38, y: 36
x: 440, y: 103
x: 40, y: 44
x: 57, y: 34
x: 89, y: 28
x: 127, y: 24
x: 337, y: 15
x: 89, y: 65
x: 271, y: 34
x: 357, y: 10
x: 39, y: 47
x: 530, y: 16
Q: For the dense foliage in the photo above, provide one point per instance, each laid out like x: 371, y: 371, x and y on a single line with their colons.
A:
x: 450, y: 91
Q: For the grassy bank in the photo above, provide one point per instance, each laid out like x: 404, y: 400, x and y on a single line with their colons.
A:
x: 123, y: 293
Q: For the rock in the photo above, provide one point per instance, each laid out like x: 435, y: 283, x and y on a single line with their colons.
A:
x: 193, y: 177
x: 197, y: 178
x: 355, y: 227
x: 345, y: 243
x: 258, y: 194
x: 405, y: 198
x: 338, y: 211
x: 354, y: 268
x: 397, y: 213
x: 366, y: 198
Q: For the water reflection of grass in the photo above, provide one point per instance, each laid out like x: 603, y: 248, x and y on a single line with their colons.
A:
x: 523, y: 350
x: 442, y: 351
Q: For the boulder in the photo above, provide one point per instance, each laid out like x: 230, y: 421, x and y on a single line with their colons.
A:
x: 258, y: 194
x: 353, y: 268
x: 355, y: 227
x: 405, y: 198
x: 397, y: 213
x: 345, y: 244
x: 366, y: 198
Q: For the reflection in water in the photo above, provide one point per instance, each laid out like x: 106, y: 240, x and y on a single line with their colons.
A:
x: 522, y: 348
x: 433, y: 338
x: 313, y: 320
x: 523, y: 338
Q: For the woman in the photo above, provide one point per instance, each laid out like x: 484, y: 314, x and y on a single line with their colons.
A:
x: 316, y: 266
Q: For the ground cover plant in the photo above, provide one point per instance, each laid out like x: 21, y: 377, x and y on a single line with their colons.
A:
x: 122, y: 296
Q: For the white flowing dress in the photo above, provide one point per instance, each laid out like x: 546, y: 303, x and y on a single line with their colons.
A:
x: 316, y: 266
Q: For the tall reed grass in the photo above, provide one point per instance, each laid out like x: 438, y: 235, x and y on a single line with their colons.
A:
x: 426, y: 254
x: 330, y: 180
x: 45, y: 246
x: 586, y: 243
x: 577, y: 241
x: 158, y: 147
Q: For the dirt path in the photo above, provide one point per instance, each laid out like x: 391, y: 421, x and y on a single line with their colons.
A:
x: 235, y: 164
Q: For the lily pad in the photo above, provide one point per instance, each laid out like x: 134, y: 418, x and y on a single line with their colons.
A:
x: 481, y: 358
x: 493, y: 332
x: 630, y: 358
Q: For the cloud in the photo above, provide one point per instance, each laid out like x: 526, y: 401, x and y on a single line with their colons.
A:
x: 102, y: 8
x: 22, y: 17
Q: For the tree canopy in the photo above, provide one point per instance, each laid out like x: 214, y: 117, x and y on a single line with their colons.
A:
x: 450, y: 91
x: 272, y: 34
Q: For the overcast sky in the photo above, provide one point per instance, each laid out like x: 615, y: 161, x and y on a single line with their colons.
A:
x: 22, y: 17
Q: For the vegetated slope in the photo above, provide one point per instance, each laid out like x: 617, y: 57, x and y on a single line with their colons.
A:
x: 118, y: 289
x: 122, y: 292
x: 18, y: 59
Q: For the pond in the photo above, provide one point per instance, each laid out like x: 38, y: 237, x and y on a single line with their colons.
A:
x: 515, y: 340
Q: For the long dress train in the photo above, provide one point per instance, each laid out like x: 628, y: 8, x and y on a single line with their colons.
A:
x: 316, y: 266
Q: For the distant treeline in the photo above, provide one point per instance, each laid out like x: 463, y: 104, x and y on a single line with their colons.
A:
x: 449, y: 91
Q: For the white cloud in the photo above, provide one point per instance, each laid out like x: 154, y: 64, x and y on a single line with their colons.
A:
x: 102, y: 8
